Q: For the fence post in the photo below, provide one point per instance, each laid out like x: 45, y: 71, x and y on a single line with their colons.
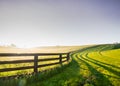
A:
x: 68, y: 56
x: 35, y: 63
x: 60, y: 58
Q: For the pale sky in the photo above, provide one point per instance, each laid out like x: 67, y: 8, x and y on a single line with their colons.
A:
x: 59, y: 22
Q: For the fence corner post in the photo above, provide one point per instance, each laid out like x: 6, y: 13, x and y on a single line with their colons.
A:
x: 35, y: 63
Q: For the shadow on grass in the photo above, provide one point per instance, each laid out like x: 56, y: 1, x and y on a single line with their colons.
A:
x: 104, y: 49
x: 100, y: 80
x: 64, y: 76
x: 101, y: 65
x: 37, y: 79
x: 102, y: 62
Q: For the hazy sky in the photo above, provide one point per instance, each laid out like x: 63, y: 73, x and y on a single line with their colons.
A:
x: 59, y: 22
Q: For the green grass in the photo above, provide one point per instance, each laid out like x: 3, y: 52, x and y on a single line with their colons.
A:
x: 27, y: 71
x: 52, y: 49
x: 93, y: 66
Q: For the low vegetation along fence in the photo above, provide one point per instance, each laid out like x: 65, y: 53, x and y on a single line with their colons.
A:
x: 35, y: 60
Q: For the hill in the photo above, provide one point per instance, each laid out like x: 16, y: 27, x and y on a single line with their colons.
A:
x: 97, y: 65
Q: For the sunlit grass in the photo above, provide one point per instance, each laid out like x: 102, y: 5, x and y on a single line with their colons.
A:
x: 93, y: 66
x: 54, y: 49
x: 102, y: 63
x: 27, y: 71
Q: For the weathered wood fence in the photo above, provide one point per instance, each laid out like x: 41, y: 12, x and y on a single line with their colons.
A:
x: 35, y: 60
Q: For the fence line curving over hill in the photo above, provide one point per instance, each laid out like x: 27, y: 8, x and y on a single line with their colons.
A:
x: 35, y: 60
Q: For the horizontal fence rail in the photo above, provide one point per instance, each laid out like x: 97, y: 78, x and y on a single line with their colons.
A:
x: 35, y: 60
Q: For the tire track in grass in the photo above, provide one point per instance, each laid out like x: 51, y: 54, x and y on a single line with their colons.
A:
x: 73, y: 75
x: 108, y: 47
x: 103, y: 63
x: 105, y: 66
x: 94, y: 73
x: 103, y: 54
x: 97, y: 78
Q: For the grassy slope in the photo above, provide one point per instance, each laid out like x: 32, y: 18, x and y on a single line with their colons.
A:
x: 95, y: 66
x: 49, y: 49
x: 14, y: 82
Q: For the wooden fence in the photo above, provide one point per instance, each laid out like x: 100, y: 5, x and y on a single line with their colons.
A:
x: 35, y: 60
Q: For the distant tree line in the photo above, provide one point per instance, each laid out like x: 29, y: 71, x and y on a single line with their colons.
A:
x: 116, y: 45
x: 10, y: 45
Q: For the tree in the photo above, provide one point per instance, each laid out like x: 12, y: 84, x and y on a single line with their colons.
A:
x: 12, y: 45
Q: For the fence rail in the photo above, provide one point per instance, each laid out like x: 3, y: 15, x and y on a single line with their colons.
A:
x: 35, y: 60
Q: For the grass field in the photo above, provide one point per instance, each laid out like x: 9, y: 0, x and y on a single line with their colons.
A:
x: 50, y: 49
x: 92, y: 66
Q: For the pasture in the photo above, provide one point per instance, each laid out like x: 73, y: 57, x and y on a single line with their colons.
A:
x: 45, y: 50
x: 97, y: 65
x: 93, y: 66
